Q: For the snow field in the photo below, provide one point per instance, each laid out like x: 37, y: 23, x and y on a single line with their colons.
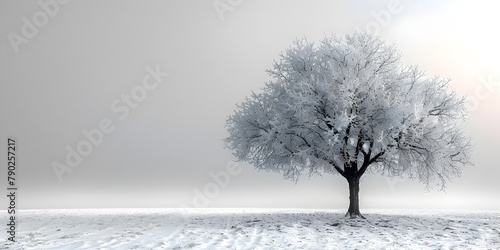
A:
x: 254, y: 229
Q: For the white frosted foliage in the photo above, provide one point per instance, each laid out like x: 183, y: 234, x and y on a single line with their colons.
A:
x: 351, y: 102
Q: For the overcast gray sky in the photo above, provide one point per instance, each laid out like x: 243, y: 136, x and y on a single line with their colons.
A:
x: 63, y: 68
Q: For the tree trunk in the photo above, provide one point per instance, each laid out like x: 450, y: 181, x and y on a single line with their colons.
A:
x: 353, y: 210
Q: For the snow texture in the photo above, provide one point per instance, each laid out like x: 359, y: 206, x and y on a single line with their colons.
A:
x: 254, y: 229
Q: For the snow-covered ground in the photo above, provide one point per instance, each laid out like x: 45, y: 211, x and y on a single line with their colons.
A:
x: 253, y: 229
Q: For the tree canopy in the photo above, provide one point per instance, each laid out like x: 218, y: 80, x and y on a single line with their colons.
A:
x: 346, y: 105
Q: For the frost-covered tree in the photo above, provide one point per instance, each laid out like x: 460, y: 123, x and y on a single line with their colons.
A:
x: 348, y: 105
